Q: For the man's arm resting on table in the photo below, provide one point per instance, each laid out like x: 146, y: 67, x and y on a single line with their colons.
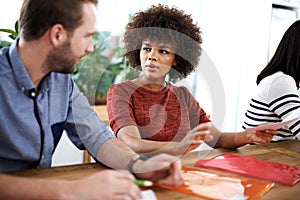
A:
x: 161, y: 168
x: 115, y: 154
x: 13, y: 187
x: 105, y: 184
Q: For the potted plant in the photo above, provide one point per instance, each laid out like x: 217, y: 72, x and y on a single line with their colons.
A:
x: 98, y: 70
x: 13, y: 34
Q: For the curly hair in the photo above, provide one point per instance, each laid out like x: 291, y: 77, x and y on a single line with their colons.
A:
x: 163, y: 24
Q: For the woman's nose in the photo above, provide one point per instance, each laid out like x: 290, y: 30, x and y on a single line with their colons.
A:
x: 152, y: 56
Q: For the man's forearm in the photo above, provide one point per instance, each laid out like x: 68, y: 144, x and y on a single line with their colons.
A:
x: 12, y: 187
x: 115, y: 154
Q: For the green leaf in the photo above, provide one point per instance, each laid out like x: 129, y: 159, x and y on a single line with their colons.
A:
x: 4, y: 44
x: 8, y: 31
x: 17, y: 27
x: 13, y: 33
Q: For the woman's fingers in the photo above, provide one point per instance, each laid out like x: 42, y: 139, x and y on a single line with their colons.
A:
x: 202, y: 133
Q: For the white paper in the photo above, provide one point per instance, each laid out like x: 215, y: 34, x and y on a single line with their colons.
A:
x: 271, y: 126
x: 148, y: 195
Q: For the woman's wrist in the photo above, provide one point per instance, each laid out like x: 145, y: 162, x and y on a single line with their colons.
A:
x: 242, y: 139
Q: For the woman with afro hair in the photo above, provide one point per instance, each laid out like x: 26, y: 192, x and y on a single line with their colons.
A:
x: 149, y: 113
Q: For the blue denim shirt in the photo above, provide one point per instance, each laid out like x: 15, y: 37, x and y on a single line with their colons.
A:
x: 31, y: 124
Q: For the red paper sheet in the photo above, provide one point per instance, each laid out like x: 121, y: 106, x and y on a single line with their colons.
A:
x: 253, y: 188
x: 251, y: 166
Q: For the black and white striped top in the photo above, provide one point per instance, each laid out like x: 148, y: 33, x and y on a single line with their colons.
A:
x: 276, y: 99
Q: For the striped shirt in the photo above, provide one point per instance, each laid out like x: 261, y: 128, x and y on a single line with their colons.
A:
x: 277, y: 99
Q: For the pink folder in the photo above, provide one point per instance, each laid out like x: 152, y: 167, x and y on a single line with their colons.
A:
x: 251, y: 166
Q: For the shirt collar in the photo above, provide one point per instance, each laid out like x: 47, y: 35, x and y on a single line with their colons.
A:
x: 22, y: 78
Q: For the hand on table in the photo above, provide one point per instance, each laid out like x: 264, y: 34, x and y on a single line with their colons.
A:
x: 161, y: 169
x: 108, y: 184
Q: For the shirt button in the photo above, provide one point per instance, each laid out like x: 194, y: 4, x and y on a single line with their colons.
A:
x: 32, y: 94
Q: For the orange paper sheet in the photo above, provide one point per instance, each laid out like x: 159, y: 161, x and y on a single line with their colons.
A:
x: 253, y: 189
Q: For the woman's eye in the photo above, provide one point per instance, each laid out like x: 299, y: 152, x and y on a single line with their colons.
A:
x: 164, y: 51
x: 146, y: 49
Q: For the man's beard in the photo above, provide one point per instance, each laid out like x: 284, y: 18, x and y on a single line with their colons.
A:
x: 61, y: 59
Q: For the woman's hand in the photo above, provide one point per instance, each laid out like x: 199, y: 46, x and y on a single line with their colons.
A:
x: 260, y: 136
x: 194, y: 138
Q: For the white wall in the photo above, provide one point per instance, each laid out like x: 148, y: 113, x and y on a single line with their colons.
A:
x: 114, y: 14
x: 9, y: 14
x: 236, y: 38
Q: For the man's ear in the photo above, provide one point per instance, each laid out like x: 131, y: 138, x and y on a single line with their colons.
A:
x: 57, y: 34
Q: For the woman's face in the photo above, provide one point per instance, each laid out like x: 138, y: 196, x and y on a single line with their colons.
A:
x: 156, y: 59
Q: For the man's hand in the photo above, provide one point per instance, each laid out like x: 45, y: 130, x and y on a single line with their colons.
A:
x: 161, y: 169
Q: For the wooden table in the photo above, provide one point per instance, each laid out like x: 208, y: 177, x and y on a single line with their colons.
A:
x: 285, y: 152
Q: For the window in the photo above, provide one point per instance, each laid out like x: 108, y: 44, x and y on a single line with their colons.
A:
x: 282, y: 18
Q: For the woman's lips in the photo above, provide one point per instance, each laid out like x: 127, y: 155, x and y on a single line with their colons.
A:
x: 152, y: 67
